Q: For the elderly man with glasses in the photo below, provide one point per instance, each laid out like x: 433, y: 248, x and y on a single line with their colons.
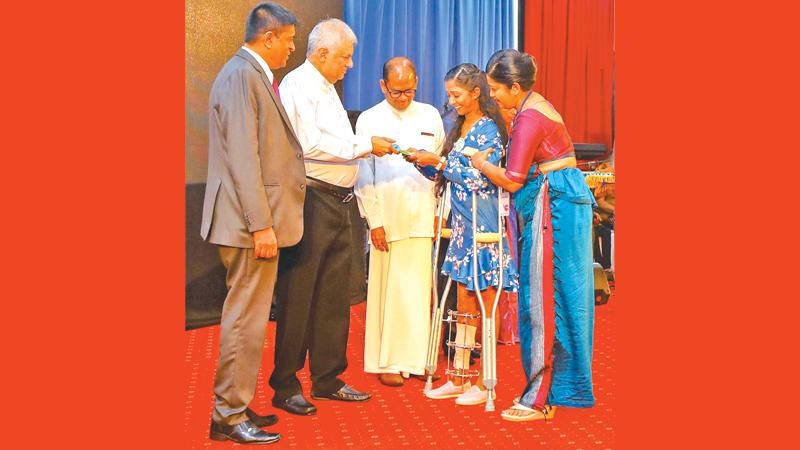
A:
x: 398, y: 203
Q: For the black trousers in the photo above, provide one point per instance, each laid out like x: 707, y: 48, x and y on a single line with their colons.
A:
x: 358, y: 271
x: 314, y: 314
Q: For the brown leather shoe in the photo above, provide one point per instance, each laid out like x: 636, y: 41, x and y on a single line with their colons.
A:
x: 391, y: 379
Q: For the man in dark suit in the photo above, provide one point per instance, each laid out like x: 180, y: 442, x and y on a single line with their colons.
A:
x: 253, y: 206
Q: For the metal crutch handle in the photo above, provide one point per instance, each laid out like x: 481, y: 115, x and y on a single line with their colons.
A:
x: 490, y: 365
x: 490, y: 368
x: 488, y: 360
x: 438, y: 306
x: 486, y: 351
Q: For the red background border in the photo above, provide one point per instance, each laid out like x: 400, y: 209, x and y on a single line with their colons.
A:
x: 93, y: 201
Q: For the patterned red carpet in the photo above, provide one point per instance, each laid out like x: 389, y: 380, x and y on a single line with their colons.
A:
x: 403, y: 417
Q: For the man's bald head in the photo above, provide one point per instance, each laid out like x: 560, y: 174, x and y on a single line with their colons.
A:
x: 402, y: 66
x: 399, y: 83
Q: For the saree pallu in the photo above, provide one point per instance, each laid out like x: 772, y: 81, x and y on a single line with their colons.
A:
x: 556, y: 296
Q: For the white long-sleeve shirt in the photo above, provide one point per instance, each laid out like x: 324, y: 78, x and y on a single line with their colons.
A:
x: 331, y: 150
x: 391, y: 193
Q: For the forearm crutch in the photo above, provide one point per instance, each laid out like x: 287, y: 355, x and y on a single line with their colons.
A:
x: 488, y: 341
x: 438, y: 306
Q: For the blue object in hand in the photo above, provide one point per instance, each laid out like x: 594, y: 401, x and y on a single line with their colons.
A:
x: 400, y: 150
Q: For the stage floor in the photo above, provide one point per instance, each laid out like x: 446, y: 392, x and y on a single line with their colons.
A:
x: 402, y: 417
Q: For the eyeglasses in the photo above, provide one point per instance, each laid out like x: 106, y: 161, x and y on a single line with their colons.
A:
x: 397, y: 94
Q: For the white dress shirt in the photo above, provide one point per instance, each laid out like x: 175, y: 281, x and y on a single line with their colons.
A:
x: 391, y: 192
x: 261, y: 63
x: 320, y: 122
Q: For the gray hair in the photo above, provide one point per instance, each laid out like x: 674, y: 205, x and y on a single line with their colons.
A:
x: 328, y: 34
x: 267, y: 17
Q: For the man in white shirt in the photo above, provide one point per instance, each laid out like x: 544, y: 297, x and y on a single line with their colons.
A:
x: 398, y: 203
x: 314, y: 317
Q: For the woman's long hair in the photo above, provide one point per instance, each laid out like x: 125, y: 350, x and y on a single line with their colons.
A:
x: 469, y: 76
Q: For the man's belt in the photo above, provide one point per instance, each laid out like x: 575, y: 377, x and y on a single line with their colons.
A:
x: 342, y: 193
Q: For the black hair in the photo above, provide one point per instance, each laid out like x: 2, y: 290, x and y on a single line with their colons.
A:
x: 510, y: 66
x: 265, y: 17
x: 469, y: 76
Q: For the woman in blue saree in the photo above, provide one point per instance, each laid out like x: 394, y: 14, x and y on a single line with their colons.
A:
x: 556, y: 303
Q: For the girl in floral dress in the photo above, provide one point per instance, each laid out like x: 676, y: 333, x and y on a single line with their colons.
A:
x: 476, y: 128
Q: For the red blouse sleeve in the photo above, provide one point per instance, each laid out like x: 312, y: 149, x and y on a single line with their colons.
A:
x: 526, y: 137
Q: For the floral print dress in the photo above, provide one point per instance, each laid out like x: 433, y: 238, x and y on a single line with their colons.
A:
x: 464, y: 179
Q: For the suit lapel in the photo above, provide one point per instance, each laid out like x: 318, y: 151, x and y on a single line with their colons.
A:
x: 244, y: 54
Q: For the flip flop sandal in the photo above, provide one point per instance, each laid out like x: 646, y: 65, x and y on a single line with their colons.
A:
x: 532, y: 416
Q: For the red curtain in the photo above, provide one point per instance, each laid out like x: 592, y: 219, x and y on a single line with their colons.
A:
x: 573, y: 43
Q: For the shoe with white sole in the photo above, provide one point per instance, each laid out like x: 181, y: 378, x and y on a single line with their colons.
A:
x: 447, y: 390
x: 474, y: 396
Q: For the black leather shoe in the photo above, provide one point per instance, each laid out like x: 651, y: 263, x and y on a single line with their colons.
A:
x: 344, y: 394
x: 261, y: 421
x: 242, y: 433
x: 296, y: 404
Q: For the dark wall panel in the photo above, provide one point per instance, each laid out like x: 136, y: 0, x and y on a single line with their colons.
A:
x: 214, y: 32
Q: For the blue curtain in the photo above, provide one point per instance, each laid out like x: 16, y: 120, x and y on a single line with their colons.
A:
x: 435, y: 34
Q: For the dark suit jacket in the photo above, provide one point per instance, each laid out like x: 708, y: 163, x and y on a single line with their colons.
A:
x: 256, y: 176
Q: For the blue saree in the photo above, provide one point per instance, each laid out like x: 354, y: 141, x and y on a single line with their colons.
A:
x: 556, y: 297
